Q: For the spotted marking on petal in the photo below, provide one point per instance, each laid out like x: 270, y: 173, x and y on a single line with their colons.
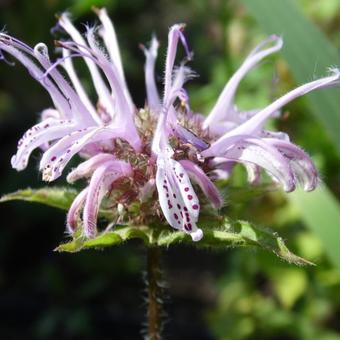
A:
x: 38, y: 135
x: 63, y: 151
x: 178, y: 200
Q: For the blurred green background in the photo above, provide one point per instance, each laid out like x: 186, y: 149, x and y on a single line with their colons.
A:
x: 231, y: 294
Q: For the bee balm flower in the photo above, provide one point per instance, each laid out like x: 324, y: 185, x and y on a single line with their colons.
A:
x: 162, y: 157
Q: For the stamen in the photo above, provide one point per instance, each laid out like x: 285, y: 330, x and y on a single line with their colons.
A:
x: 57, y: 63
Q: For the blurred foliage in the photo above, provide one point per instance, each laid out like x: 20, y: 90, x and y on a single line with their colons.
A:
x: 96, y: 295
x: 263, y: 299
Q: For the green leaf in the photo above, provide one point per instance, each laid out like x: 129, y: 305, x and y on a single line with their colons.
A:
x: 307, y: 51
x: 57, y: 197
x: 229, y: 234
x: 52, y: 196
x: 321, y: 212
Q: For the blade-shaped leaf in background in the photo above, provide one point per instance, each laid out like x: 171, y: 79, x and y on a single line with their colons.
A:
x: 308, y: 53
x: 321, y: 212
x: 307, y: 50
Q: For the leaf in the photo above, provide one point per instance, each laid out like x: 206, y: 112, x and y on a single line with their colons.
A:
x: 321, y: 212
x: 307, y: 51
x: 57, y: 197
x: 229, y: 234
x: 221, y: 233
x: 52, y: 196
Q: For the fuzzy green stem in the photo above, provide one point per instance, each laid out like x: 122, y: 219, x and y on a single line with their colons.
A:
x: 154, y: 276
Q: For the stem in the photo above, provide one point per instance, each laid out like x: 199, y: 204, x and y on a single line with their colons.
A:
x: 154, y: 275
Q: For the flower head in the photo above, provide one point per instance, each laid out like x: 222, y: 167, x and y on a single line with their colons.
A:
x: 157, y: 156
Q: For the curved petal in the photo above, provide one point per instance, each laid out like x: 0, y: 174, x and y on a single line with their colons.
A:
x: 85, y: 169
x: 222, y: 168
x: 68, y: 65
x: 302, y: 166
x: 120, y: 91
x: 254, y: 173
x: 257, y: 121
x: 21, y: 52
x: 225, y: 102
x: 175, y: 34
x: 100, y: 183
x: 100, y: 86
x: 74, y: 211
x: 46, y: 131
x: 160, y: 140
x: 55, y: 159
x: 153, y: 99
x: 79, y: 110
x: 109, y: 36
x: 177, y: 198
x: 108, y: 33
x: 260, y: 153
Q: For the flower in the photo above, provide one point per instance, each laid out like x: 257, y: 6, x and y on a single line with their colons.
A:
x: 152, y: 155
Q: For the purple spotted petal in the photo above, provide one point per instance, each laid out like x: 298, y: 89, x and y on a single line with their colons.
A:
x: 177, y: 198
x: 55, y: 159
x: 100, y: 183
x: 46, y: 131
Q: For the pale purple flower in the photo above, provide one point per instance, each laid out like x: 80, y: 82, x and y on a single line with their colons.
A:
x: 155, y: 156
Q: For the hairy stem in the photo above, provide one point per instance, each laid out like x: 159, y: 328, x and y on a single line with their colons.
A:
x: 154, y: 276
